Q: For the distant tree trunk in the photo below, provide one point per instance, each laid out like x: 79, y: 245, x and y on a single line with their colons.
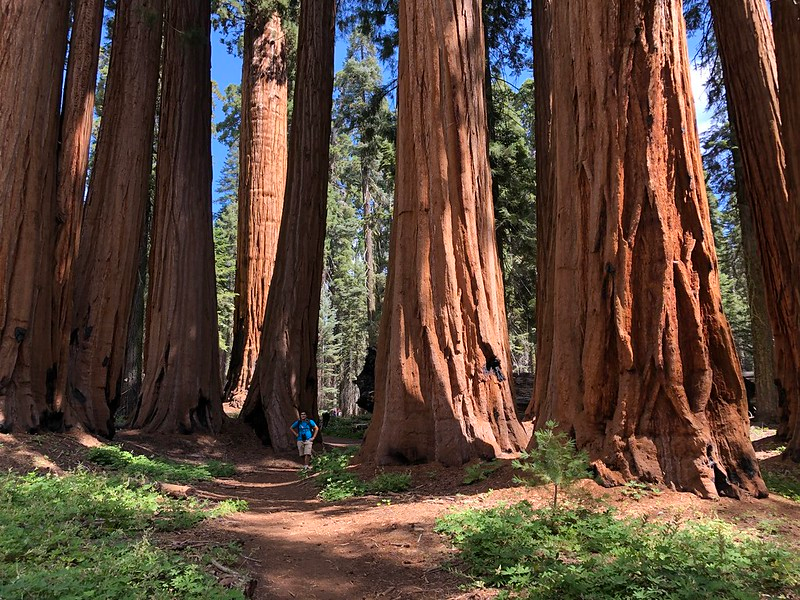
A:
x: 262, y: 183
x: 442, y: 390
x: 766, y: 401
x: 747, y: 51
x: 32, y: 49
x: 786, y: 19
x: 114, y: 215
x: 369, y: 255
x: 542, y: 11
x: 285, y: 379
x: 643, y: 371
x: 131, y: 388
x: 73, y: 160
x: 182, y: 388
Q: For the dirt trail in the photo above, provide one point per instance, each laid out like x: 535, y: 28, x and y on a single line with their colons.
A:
x: 297, y: 546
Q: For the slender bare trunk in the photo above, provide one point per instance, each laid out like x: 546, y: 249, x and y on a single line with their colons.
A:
x: 73, y: 160
x: 442, y: 391
x: 285, y: 379
x: 643, y: 371
x: 786, y: 19
x: 108, y: 257
x: 766, y: 400
x: 369, y: 253
x: 32, y: 49
x: 262, y: 183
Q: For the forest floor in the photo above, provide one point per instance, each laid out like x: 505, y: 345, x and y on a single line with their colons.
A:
x: 298, y: 546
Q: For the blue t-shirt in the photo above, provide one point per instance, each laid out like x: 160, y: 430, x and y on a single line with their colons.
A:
x: 305, y: 429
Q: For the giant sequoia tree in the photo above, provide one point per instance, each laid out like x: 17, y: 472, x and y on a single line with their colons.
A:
x: 285, y: 378
x: 641, y: 366
x: 73, y: 160
x: 32, y: 49
x: 442, y: 391
x: 747, y: 51
x: 182, y: 389
x: 114, y: 216
x: 262, y: 182
x: 786, y: 19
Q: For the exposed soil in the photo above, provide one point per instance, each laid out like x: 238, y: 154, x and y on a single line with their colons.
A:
x: 297, y: 546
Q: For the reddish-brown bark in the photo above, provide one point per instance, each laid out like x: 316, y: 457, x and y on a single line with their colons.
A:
x: 73, y: 160
x: 786, y: 23
x: 442, y: 391
x: 642, y: 366
x: 182, y: 389
x: 105, y: 274
x: 263, y: 147
x: 32, y: 49
x: 285, y: 379
x: 747, y: 51
x: 545, y: 184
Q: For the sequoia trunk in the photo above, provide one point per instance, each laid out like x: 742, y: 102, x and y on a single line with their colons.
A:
x: 182, y: 389
x: 747, y: 52
x: 108, y: 258
x: 442, y: 388
x: 542, y: 11
x: 73, y: 160
x: 643, y: 371
x: 786, y: 19
x: 32, y: 49
x: 262, y: 183
x: 285, y: 379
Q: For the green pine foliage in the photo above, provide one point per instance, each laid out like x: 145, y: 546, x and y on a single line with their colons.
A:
x: 227, y: 216
x: 514, y: 174
x: 579, y: 554
x: 362, y: 165
x: 554, y: 461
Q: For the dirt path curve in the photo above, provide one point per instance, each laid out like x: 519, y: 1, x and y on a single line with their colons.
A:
x: 298, y: 546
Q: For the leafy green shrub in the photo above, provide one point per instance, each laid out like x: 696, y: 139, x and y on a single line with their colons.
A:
x: 539, y: 554
x: 555, y: 460
x: 71, y: 536
x: 348, y: 427
x: 479, y: 471
x: 338, y: 483
x: 334, y: 479
x: 638, y: 490
x: 160, y: 469
x: 389, y: 483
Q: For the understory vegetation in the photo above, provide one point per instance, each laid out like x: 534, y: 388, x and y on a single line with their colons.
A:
x: 90, y: 535
x: 581, y: 553
x: 161, y: 469
x: 338, y: 483
x: 352, y: 428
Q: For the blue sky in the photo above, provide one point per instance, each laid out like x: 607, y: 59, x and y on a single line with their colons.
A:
x: 227, y: 69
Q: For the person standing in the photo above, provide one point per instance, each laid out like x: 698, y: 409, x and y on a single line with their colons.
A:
x: 305, y: 430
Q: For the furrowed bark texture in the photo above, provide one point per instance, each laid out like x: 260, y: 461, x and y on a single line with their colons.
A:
x: 285, y: 379
x: 642, y: 369
x: 73, y: 160
x: 32, y: 48
x: 747, y: 51
x: 182, y: 388
x: 262, y: 183
x: 442, y: 391
x: 545, y: 184
x: 786, y: 20
x: 114, y: 214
